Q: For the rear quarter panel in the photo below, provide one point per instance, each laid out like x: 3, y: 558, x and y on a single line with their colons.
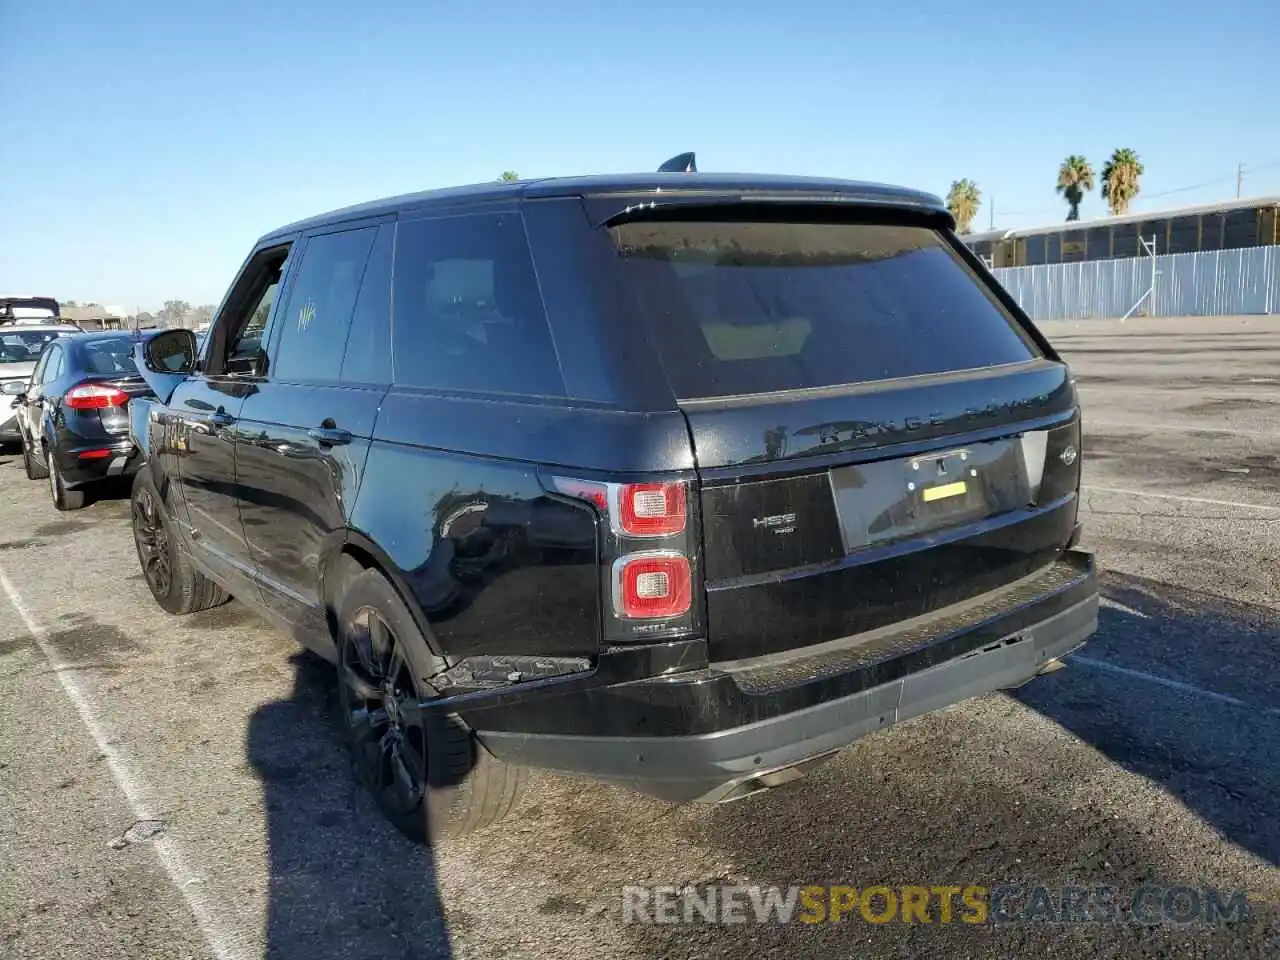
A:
x: 454, y: 497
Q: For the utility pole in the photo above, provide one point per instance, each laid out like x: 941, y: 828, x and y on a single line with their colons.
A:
x: 991, y: 214
x: 1239, y: 178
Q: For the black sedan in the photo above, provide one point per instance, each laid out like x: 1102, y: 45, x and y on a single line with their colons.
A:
x: 73, y: 415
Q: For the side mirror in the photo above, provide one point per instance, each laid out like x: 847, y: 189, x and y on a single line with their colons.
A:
x: 173, y: 351
x: 14, y: 388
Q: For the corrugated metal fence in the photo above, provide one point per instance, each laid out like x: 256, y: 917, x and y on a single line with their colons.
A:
x: 1212, y: 283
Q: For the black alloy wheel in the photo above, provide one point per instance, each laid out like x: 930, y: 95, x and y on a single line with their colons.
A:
x: 388, y: 743
x: 152, y: 539
x: 32, y: 461
x: 63, y: 499
x: 175, y: 582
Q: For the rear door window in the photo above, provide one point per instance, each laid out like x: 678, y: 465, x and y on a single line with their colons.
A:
x: 368, y: 354
x: 317, y: 315
x: 746, y: 307
x: 468, y: 312
x: 53, y: 369
x: 37, y: 375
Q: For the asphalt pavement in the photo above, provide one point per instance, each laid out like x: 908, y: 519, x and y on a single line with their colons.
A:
x: 175, y: 787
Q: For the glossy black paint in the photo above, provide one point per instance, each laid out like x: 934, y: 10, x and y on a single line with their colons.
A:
x: 829, y: 423
x: 495, y: 563
x: 451, y: 495
x: 300, y: 454
x: 623, y: 701
x: 202, y: 418
x: 882, y: 585
x: 610, y: 194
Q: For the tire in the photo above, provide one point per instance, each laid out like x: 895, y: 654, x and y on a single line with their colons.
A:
x: 33, y: 464
x: 174, y: 581
x: 63, y: 498
x: 448, y: 784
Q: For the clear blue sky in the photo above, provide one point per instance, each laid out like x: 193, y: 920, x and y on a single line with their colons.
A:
x: 148, y: 144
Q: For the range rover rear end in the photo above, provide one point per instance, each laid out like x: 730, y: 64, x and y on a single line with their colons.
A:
x: 867, y: 508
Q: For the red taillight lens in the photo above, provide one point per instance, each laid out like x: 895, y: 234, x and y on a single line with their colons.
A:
x: 92, y: 396
x: 649, y: 586
x: 651, y: 509
x: 594, y: 493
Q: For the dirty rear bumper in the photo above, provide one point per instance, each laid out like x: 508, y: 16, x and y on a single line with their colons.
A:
x: 122, y: 460
x: 719, y: 732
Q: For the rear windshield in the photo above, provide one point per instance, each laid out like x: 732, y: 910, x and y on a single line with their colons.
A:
x: 748, y: 307
x: 24, y: 346
x: 109, y: 356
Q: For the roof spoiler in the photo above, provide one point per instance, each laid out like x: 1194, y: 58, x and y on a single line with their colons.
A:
x: 683, y: 163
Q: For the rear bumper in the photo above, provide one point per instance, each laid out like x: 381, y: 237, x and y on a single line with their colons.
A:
x: 718, y: 733
x: 123, y: 460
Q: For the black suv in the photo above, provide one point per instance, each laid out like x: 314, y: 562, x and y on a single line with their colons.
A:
x: 682, y: 481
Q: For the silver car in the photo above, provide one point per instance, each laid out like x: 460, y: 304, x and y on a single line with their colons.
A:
x: 20, y: 347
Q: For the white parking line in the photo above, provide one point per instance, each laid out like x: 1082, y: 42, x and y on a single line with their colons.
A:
x: 1117, y: 605
x: 1176, y: 496
x: 217, y: 933
x: 1171, y: 684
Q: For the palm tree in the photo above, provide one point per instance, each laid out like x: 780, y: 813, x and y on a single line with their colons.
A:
x: 509, y: 176
x: 963, y: 202
x: 1075, y: 179
x: 1120, y: 179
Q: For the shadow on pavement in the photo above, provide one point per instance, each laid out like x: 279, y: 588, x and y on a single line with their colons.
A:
x: 343, y: 883
x: 1221, y: 760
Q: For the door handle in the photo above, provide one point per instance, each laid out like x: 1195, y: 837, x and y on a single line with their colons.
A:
x: 329, y: 436
x: 221, y: 419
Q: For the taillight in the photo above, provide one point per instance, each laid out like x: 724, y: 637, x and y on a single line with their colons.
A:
x: 650, y: 509
x: 93, y: 396
x: 649, y: 593
x: 593, y: 493
x: 652, y: 585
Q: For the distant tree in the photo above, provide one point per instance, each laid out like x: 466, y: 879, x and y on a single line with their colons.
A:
x: 509, y: 176
x: 69, y: 303
x: 144, y: 319
x: 963, y: 201
x: 1120, y: 180
x: 173, y: 313
x: 1075, y: 179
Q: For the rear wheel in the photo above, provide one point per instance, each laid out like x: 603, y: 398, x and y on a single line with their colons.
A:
x: 32, y: 462
x: 427, y: 773
x: 63, y: 498
x: 175, y: 583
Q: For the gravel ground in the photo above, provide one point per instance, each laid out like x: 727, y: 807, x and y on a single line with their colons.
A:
x: 175, y: 788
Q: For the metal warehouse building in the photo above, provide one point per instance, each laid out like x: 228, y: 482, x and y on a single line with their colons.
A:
x: 1212, y: 226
